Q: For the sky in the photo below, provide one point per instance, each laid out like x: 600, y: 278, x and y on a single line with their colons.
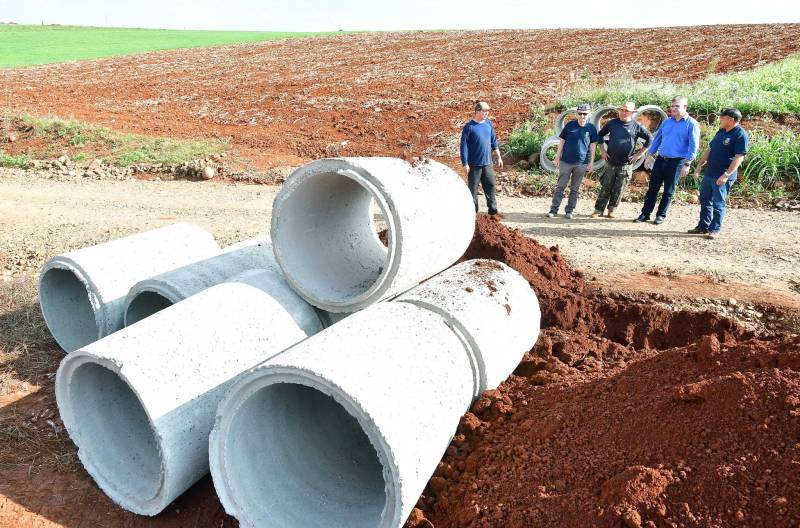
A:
x: 355, y: 15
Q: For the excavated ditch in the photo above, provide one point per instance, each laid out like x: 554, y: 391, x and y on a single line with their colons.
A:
x: 625, y: 413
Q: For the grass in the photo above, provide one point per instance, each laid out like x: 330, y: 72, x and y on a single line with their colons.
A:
x: 773, y: 89
x: 772, y: 164
x: 28, y: 45
x: 527, y: 138
x: 14, y: 161
x: 81, y: 140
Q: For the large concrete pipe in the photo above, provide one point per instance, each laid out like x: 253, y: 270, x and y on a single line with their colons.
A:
x: 82, y: 293
x: 492, y: 306
x: 346, y: 428
x: 326, y: 242
x: 153, y: 294
x: 140, y: 403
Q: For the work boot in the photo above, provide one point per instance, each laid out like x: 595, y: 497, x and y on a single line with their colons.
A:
x: 697, y: 231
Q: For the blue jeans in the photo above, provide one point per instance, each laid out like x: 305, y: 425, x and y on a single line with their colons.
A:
x: 713, y: 198
x: 667, y: 172
x: 483, y: 174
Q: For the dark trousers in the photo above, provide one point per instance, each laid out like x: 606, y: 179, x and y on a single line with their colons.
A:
x: 485, y: 175
x: 666, y: 171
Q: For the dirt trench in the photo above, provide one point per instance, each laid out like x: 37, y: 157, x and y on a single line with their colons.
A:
x: 624, y: 414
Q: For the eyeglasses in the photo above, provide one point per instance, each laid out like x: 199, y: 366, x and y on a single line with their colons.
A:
x: 582, y: 114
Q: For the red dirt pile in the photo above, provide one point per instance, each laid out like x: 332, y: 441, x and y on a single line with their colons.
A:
x: 623, y: 414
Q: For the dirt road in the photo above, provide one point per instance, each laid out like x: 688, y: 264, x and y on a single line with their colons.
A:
x: 40, y: 217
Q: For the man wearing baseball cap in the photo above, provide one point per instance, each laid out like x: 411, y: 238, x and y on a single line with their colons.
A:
x: 619, y: 139
x: 574, y: 158
x: 722, y: 159
x: 478, y: 142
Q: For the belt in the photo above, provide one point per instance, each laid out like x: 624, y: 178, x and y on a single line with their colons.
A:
x: 669, y: 158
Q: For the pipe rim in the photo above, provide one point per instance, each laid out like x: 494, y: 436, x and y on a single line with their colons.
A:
x: 260, y: 379
x: 60, y: 326
x: 371, y: 185
x: 134, y: 297
x: 153, y: 503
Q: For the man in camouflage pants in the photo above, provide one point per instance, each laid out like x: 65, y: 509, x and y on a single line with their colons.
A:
x: 618, y: 142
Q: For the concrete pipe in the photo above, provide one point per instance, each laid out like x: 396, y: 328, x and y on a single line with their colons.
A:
x: 558, y: 124
x: 156, y: 293
x: 140, y: 403
x: 325, y: 239
x: 545, y: 162
x: 345, y: 428
x: 82, y: 293
x: 492, y: 306
x: 641, y: 116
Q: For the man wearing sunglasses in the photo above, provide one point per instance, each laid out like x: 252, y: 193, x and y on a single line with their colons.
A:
x: 574, y: 158
x: 618, y: 143
x: 674, y: 147
x: 478, y: 142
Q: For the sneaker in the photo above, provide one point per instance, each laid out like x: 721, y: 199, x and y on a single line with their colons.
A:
x: 659, y: 220
x: 641, y: 219
x: 551, y: 215
x: 697, y: 231
x: 568, y: 216
x: 711, y: 235
x: 597, y: 214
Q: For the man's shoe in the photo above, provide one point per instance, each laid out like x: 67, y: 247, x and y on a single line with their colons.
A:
x: 611, y: 213
x: 641, y: 219
x: 697, y: 231
x: 711, y: 235
x: 568, y: 216
x: 659, y: 220
x: 551, y: 215
x: 597, y: 214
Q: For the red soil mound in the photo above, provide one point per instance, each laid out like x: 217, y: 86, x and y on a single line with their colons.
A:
x: 623, y: 414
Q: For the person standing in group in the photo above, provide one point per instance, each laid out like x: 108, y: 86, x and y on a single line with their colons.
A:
x: 722, y: 159
x: 478, y: 142
x: 620, y: 154
x: 574, y: 158
x: 675, y: 143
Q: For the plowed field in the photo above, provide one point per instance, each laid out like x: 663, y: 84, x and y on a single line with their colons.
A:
x: 284, y: 102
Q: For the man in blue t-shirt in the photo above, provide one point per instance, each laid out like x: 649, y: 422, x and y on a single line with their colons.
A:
x: 723, y: 157
x: 574, y: 158
x: 478, y: 142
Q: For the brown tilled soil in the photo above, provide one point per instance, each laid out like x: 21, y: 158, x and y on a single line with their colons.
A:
x: 284, y: 102
x: 624, y: 414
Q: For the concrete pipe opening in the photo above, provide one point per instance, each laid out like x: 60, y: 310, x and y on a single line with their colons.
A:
x: 329, y: 247
x: 295, y: 457
x: 145, y: 304
x: 117, y: 444
x: 67, y: 308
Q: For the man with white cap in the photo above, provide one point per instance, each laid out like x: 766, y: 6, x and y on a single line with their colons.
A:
x: 478, y: 142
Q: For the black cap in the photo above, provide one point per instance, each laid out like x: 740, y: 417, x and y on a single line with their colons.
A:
x: 732, y: 113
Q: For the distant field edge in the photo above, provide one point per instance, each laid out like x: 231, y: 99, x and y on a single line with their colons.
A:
x: 31, y: 45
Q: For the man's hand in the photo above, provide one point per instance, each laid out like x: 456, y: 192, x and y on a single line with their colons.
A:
x: 556, y: 162
x: 649, y: 161
x: 604, y: 155
x: 590, y: 168
x: 499, y: 162
x: 466, y: 168
x: 722, y: 179
x: 697, y: 171
x: 685, y: 170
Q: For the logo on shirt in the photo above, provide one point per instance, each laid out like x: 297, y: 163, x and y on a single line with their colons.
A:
x: 726, y: 141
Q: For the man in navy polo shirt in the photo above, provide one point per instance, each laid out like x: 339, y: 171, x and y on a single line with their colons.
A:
x: 676, y: 143
x: 574, y: 158
x: 723, y: 157
x: 478, y: 141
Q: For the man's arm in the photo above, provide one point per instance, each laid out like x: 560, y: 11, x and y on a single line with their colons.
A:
x: 464, y: 148
x: 737, y: 160
x: 496, y: 149
x: 702, y: 162
x: 691, y: 151
x: 602, y: 141
x: 592, y: 149
x: 557, y: 161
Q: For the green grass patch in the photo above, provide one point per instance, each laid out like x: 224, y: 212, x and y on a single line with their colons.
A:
x: 527, y: 138
x: 27, y: 45
x: 772, y: 89
x: 83, y: 140
x: 14, y: 161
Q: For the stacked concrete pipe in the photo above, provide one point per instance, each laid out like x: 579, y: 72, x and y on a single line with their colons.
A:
x: 325, y: 239
x: 156, y: 293
x: 140, y: 403
x: 346, y: 427
x: 82, y: 293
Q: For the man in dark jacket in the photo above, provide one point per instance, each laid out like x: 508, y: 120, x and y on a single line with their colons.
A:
x: 618, y: 143
x: 478, y: 142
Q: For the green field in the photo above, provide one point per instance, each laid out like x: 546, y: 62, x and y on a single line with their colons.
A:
x: 23, y: 45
